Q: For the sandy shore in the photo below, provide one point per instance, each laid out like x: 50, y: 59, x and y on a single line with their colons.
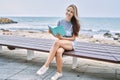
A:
x: 46, y: 35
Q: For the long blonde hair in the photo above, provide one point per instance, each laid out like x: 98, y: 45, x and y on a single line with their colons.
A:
x: 75, y: 20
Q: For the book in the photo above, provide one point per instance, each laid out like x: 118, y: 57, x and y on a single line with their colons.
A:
x: 57, y: 30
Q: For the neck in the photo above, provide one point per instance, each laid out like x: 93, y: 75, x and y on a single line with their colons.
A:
x: 67, y: 19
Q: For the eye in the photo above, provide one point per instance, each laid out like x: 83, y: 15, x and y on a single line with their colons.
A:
x: 68, y: 10
x: 71, y: 11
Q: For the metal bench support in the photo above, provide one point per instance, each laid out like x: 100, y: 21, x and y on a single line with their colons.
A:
x: 0, y: 48
x: 74, y: 64
x: 30, y: 54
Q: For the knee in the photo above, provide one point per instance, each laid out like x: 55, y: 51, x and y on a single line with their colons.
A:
x: 59, y: 52
x: 57, y: 43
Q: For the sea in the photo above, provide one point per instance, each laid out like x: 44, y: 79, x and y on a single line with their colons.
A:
x: 89, y: 25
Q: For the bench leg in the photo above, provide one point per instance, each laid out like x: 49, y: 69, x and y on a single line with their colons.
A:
x: 30, y: 54
x: 0, y: 48
x: 74, y: 64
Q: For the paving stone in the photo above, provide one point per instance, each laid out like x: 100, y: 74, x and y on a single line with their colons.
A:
x: 99, y: 76
x: 118, y: 71
x: 118, y: 74
x: 25, y: 75
x: 6, y: 73
x: 101, y: 72
x: 93, y: 69
x: 14, y: 66
x: 88, y: 77
x: 70, y: 78
x: 5, y: 60
x: 29, y: 74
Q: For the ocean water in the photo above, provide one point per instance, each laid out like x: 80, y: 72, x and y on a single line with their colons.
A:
x: 89, y: 25
x: 100, y: 25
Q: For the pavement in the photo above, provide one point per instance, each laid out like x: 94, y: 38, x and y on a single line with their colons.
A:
x: 14, y: 66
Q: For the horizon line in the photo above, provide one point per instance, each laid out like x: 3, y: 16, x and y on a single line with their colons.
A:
x: 63, y: 16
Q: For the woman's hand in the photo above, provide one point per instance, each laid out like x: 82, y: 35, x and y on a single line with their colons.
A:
x: 65, y: 38
x: 49, y: 31
x: 59, y: 36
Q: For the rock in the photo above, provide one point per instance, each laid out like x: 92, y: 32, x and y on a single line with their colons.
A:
x: 4, y: 30
x: 6, y: 21
x: 115, y: 37
x: 107, y: 34
x: 118, y: 34
x: 119, y: 40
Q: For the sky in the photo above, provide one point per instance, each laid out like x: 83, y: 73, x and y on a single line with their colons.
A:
x: 57, y: 8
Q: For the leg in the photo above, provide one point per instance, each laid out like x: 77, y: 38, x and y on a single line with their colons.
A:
x: 52, y: 53
x: 30, y: 54
x: 74, y: 63
x: 59, y: 60
x: 0, y: 48
x: 65, y: 44
x: 51, y: 56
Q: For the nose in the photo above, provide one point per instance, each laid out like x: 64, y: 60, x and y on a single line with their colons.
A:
x: 69, y: 12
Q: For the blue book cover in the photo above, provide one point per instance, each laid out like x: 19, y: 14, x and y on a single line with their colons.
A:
x: 57, y: 30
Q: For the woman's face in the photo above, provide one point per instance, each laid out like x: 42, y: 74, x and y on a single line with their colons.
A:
x: 69, y: 13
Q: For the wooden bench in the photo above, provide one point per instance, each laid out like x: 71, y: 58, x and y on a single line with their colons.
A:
x: 103, y: 52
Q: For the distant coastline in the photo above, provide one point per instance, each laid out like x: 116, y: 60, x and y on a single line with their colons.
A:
x: 6, y: 21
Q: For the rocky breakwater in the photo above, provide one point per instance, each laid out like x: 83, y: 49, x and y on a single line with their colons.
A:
x: 6, y: 21
x: 115, y: 36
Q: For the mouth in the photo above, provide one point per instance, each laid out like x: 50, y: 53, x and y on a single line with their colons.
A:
x: 68, y: 14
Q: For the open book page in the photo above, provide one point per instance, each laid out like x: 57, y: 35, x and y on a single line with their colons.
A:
x: 57, y: 30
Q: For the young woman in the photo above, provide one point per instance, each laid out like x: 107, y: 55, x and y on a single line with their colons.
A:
x: 72, y: 26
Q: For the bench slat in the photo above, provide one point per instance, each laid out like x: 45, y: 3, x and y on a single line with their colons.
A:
x: 92, y: 56
x: 98, y: 46
x: 25, y: 46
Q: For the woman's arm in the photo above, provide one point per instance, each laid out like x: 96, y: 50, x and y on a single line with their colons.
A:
x: 65, y: 38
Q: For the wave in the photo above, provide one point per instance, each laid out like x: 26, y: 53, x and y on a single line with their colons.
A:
x: 44, y: 27
x: 28, y: 29
x: 93, y: 30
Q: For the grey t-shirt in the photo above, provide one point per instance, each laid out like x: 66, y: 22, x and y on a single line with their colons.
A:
x: 67, y: 26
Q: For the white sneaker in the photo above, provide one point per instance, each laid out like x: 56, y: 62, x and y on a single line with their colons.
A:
x: 42, y: 70
x: 56, y: 76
